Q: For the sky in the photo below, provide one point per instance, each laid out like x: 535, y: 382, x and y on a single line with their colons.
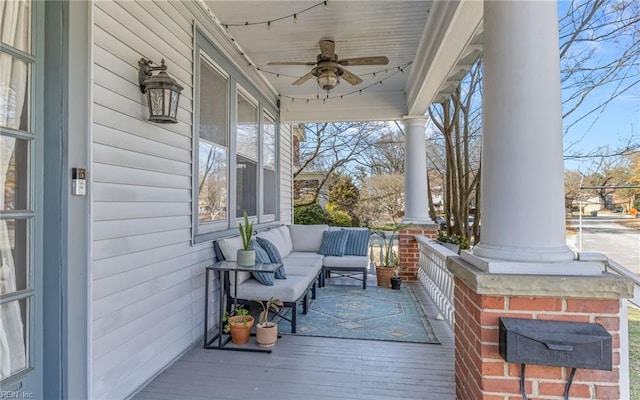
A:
x: 611, y: 126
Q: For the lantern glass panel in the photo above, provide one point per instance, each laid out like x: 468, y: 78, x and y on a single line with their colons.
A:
x: 173, y: 109
x: 155, y: 101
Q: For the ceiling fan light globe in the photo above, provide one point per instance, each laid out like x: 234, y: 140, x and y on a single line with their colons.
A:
x: 328, y: 80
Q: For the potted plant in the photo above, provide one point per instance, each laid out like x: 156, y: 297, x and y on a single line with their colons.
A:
x: 389, y: 265
x: 454, y: 243
x: 246, y: 256
x: 267, y: 331
x: 238, y: 324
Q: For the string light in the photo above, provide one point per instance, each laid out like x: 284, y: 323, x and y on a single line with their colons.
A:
x: 268, y: 22
x: 359, y: 91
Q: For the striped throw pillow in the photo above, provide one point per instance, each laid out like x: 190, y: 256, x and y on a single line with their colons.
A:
x: 358, y: 242
x: 274, y: 256
x: 334, y: 243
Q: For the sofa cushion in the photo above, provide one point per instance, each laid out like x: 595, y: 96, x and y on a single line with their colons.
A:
x: 345, y: 261
x: 358, y: 242
x: 303, y: 263
x: 307, y: 237
x: 230, y: 247
x: 275, y: 237
x: 286, y: 236
x: 334, y: 243
x: 286, y: 290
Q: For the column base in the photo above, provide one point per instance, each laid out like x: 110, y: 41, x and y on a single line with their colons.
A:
x: 495, y: 266
x: 524, y: 254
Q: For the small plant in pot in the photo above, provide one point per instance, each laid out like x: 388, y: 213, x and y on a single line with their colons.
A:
x: 389, y: 265
x: 246, y: 256
x: 238, y: 324
x: 267, y: 331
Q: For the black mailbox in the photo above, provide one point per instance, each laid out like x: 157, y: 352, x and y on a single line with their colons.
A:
x: 556, y: 343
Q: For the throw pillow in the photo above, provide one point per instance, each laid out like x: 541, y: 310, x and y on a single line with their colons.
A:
x: 334, y: 243
x: 358, y: 242
x: 274, y: 256
x: 266, y: 278
x: 261, y: 254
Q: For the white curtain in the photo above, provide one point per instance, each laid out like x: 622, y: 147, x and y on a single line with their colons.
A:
x: 15, y: 32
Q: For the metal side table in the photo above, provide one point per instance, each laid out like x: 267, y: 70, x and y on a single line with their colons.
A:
x: 218, y: 341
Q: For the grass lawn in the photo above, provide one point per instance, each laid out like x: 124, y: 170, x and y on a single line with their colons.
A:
x: 634, y: 352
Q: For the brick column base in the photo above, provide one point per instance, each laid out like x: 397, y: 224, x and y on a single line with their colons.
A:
x: 481, y: 298
x: 408, y: 251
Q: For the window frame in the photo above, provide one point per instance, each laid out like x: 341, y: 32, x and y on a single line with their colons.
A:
x: 238, y: 83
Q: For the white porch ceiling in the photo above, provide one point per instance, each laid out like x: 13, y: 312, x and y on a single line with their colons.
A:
x: 403, y: 31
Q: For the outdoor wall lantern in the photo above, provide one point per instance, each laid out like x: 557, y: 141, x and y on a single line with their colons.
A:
x: 163, y: 92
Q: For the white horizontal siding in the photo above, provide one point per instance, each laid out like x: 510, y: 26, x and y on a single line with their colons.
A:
x: 148, y: 280
x: 286, y: 161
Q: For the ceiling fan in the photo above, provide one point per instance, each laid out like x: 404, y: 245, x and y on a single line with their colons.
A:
x: 328, y: 69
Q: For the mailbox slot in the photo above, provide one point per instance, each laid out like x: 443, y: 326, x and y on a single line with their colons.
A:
x: 555, y: 343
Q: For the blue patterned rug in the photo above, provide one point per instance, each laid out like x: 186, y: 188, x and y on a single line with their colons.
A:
x: 342, y: 311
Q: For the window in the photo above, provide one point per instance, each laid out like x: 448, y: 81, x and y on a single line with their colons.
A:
x: 235, y: 147
x: 247, y: 157
x: 18, y: 208
x: 269, y: 165
x: 213, y: 146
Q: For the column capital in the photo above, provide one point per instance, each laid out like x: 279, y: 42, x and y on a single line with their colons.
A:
x: 415, y: 118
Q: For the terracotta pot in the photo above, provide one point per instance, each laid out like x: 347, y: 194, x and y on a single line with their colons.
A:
x: 240, y: 326
x: 384, y: 275
x: 267, y: 334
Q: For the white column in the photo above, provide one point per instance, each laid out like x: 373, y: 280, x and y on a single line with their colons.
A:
x: 523, y: 210
x: 416, y: 203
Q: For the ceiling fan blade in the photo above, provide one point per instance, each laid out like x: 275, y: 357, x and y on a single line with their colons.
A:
x: 327, y: 49
x: 291, y: 63
x: 378, y: 60
x: 303, y: 79
x: 351, y: 78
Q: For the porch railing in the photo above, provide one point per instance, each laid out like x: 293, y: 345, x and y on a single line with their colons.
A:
x: 435, y: 277
x: 376, y: 248
x: 615, y: 268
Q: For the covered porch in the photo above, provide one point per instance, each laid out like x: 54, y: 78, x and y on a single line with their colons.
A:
x: 304, y: 367
x: 114, y: 307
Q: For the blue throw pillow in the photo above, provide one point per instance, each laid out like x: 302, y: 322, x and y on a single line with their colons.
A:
x: 274, y: 256
x: 334, y: 243
x: 266, y: 278
x: 261, y: 254
x: 358, y: 242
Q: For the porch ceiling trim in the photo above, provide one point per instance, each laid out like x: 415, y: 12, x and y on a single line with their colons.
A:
x: 456, y: 23
x: 232, y: 51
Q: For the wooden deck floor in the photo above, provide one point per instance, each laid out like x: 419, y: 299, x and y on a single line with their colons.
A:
x: 309, y: 368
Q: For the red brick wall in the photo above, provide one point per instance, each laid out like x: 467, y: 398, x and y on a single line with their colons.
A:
x: 408, y: 251
x: 482, y: 374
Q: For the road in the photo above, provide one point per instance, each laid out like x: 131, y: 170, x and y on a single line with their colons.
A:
x: 602, y: 234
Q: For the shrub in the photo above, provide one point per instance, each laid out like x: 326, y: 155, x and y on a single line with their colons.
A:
x: 310, y: 215
x: 338, y: 217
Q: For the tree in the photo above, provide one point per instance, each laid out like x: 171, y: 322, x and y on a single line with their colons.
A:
x: 458, y: 123
x: 381, y: 199
x: 331, y: 148
x: 592, y: 75
x: 344, y: 197
x: 586, y: 28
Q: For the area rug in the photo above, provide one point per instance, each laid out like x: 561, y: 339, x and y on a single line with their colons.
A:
x: 342, y: 311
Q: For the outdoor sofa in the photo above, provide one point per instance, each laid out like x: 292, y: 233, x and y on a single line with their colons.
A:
x: 307, y: 252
